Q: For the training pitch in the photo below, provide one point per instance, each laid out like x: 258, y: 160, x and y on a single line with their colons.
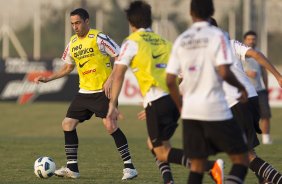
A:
x: 33, y: 130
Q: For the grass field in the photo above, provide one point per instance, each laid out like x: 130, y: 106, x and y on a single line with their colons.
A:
x: 33, y: 130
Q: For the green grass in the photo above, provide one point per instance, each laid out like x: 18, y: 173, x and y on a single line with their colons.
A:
x: 33, y: 130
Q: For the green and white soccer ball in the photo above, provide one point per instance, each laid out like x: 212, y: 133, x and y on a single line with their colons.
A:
x: 44, y: 167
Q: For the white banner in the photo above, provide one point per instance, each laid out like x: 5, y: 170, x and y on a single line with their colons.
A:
x: 130, y: 93
x: 275, y: 92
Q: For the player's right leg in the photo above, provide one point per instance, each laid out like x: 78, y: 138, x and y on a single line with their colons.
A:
x: 71, y: 147
x: 129, y: 171
x: 76, y: 114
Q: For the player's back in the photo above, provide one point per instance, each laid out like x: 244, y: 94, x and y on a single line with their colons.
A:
x: 200, y: 50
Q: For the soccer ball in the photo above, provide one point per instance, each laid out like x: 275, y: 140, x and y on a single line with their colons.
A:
x: 44, y: 167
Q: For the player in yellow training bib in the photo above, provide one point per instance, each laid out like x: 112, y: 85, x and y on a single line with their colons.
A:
x: 90, y: 51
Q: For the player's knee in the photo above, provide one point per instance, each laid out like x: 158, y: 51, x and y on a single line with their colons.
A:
x: 68, y: 125
x: 161, y: 154
x: 110, y: 128
x: 241, y: 159
x: 252, y: 155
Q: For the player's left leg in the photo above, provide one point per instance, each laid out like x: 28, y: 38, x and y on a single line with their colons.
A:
x: 129, y: 171
x: 163, y: 166
x: 265, y: 127
x: 263, y: 170
x: 265, y: 115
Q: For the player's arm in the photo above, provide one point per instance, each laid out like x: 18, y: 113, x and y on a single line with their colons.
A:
x: 263, y: 61
x: 172, y: 84
x: 173, y: 70
x: 128, y: 51
x: 264, y: 77
x: 108, y: 46
x: 65, y: 69
x: 228, y: 76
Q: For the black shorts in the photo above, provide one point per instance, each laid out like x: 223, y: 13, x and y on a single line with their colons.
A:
x: 264, y: 107
x: 204, y: 138
x: 84, y: 106
x: 162, y: 116
x: 247, y: 117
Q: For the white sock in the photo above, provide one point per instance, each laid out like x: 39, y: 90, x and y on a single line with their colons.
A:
x: 266, y: 139
x: 127, y: 161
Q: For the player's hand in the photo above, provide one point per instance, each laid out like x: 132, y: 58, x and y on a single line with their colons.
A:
x: 244, y: 96
x: 141, y: 115
x: 40, y: 79
x: 113, y: 113
x: 107, y: 88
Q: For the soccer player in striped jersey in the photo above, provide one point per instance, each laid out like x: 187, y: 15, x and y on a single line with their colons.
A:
x: 203, y: 55
x: 247, y: 115
x: 90, y: 51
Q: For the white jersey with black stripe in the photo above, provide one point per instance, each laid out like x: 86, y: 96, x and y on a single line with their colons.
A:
x: 196, y: 54
x: 239, y: 50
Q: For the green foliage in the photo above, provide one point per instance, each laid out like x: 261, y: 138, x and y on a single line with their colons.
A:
x: 33, y: 130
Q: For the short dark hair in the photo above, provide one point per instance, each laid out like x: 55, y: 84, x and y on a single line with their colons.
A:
x: 80, y: 12
x: 202, y: 8
x: 139, y: 14
x: 213, y: 22
x: 250, y: 33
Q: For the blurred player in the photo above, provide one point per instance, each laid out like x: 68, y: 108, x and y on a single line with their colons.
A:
x: 247, y: 114
x: 258, y: 76
x: 146, y: 53
x: 90, y: 51
x: 203, y: 55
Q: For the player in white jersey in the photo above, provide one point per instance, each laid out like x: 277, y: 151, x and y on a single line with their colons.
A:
x: 90, y: 51
x: 247, y: 114
x: 203, y: 55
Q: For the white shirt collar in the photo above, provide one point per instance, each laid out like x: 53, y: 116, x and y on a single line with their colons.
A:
x: 148, y: 29
x: 201, y: 24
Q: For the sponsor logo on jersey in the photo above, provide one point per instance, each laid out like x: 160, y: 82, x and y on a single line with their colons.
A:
x: 89, y: 71
x: 224, y: 48
x: 27, y: 91
x: 161, y: 65
x: 123, y: 51
x: 195, y: 43
x: 108, y: 47
x: 80, y: 52
x: 157, y: 56
x: 74, y: 40
x: 193, y: 68
x: 81, y: 65
x: 65, y: 53
x: 91, y: 35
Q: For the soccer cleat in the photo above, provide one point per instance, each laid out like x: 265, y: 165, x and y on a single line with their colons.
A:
x: 266, y: 182
x: 129, y: 174
x: 217, y: 171
x: 66, y: 173
x: 170, y: 182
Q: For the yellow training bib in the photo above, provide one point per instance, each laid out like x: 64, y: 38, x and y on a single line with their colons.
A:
x: 93, y: 67
x: 150, y: 62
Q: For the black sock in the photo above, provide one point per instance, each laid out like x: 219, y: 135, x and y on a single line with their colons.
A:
x: 164, y: 168
x: 237, y: 174
x: 265, y: 170
x: 71, y: 147
x: 195, y: 178
x: 177, y: 156
x: 122, y: 146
